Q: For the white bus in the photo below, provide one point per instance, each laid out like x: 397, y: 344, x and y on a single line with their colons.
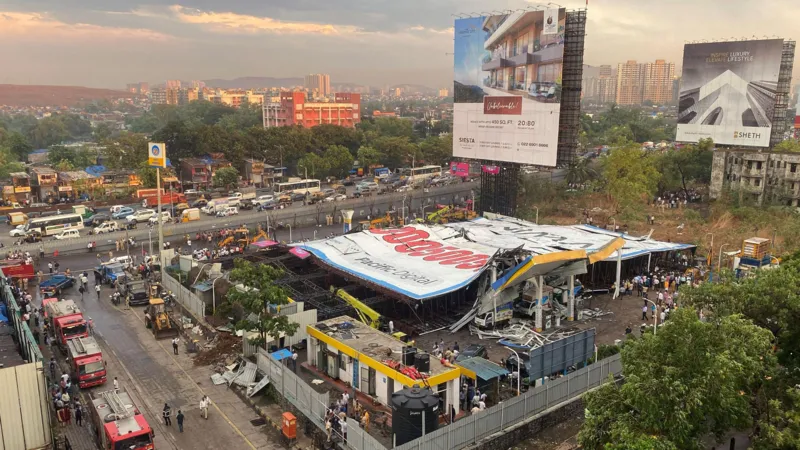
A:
x: 419, y: 174
x: 49, y: 226
x: 300, y: 187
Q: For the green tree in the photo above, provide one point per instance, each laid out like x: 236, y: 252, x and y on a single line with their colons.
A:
x: 260, y: 292
x: 368, y: 156
x: 16, y: 144
x: 127, y: 150
x: 64, y: 165
x: 9, y: 163
x: 102, y: 131
x: 395, y: 151
x: 47, y: 132
x: 631, y: 176
x: 437, y: 150
x: 580, y: 171
x: 689, y: 380
x: 326, y: 135
x: 312, y: 166
x: 780, y: 428
x: 339, y: 160
x: 226, y: 177
x: 58, y: 153
x: 684, y: 166
x: 789, y: 145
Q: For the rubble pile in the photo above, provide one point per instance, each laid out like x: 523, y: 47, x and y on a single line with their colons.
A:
x: 224, y: 349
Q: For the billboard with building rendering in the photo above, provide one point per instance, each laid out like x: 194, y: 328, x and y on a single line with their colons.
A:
x: 507, y: 86
x: 728, y: 91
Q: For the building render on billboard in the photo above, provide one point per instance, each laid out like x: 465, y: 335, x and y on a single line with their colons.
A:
x: 507, y: 88
x: 728, y: 92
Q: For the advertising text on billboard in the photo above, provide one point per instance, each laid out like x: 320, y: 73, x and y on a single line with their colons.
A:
x: 507, y: 86
x: 728, y: 92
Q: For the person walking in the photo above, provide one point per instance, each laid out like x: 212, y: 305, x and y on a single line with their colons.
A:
x: 204, y: 406
x: 294, y: 361
x: 97, y: 290
x: 179, y: 417
x: 81, y: 290
x: 644, y: 311
x: 166, y: 413
x: 175, y: 346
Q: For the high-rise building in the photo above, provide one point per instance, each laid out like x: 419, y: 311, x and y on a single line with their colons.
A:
x: 188, y: 95
x: 637, y: 83
x: 158, y: 97
x: 319, y: 81
x: 291, y: 108
x: 132, y: 88
x: 599, y: 84
x: 173, y: 95
x: 197, y: 84
x: 658, y: 78
x: 173, y: 84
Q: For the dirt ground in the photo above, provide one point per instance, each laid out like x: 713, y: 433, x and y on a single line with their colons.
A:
x: 562, y: 436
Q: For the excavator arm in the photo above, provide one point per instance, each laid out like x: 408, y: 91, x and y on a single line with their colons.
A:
x: 367, y: 315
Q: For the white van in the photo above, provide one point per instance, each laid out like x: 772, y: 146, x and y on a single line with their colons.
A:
x: 68, y: 234
x: 125, y: 260
x: 106, y: 227
x: 234, y: 201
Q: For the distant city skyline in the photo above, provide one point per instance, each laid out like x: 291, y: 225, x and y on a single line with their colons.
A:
x: 109, y: 43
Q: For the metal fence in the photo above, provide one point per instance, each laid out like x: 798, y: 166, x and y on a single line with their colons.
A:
x: 476, y: 427
x: 295, y: 216
x: 28, y: 346
x: 185, y: 297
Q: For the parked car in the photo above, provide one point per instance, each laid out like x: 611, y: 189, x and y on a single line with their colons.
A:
x: 68, y: 234
x: 335, y: 198
x: 246, y: 204
x: 123, y: 213
x: 228, y: 211
x: 272, y: 204
x: 473, y: 351
x: 190, y: 192
x: 142, y: 215
x: 261, y: 199
x: 298, y: 196
x: 199, y: 203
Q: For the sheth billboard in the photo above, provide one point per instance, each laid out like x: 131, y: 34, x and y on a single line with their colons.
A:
x: 507, y: 86
x: 728, y: 91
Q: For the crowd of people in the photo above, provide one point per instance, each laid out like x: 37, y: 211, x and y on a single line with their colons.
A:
x: 659, y: 291
x: 336, y: 416
x: 676, y: 199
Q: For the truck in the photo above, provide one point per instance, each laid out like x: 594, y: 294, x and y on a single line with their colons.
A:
x: 245, y: 193
x: 190, y: 215
x: 109, y: 272
x: 495, y: 316
x: 86, y: 362
x: 118, y: 422
x: 215, y: 205
x: 66, y: 321
x: 106, y: 227
x: 526, y: 304
x: 84, y: 211
x: 55, y: 285
x: 134, y: 292
x: 145, y: 193
x: 166, y: 199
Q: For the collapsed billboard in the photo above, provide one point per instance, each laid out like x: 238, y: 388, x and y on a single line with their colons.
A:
x: 728, y: 92
x: 507, y: 86
x: 416, y: 261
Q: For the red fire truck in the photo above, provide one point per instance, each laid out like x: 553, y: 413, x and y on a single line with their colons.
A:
x: 66, y: 321
x: 86, y: 362
x: 119, y: 424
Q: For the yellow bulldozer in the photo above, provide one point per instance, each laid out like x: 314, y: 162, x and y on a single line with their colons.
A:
x: 239, y: 236
x: 157, y: 316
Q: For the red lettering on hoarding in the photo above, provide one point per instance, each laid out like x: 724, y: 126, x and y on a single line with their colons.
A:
x: 415, y: 243
x: 502, y: 105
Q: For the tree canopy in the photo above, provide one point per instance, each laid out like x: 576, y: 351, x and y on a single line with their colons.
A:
x: 631, y: 176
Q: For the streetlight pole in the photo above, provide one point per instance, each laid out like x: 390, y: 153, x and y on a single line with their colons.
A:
x: 150, y: 238
x: 537, y: 215
x: 519, y: 366
x: 290, y: 232
x: 214, y: 296
x: 403, y: 210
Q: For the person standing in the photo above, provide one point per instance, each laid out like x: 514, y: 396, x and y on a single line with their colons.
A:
x: 343, y: 427
x: 175, y: 346
x: 50, y: 267
x: 204, y: 406
x: 97, y: 290
x: 294, y: 361
x: 78, y: 414
x: 365, y: 421
x: 116, y: 385
x: 166, y: 413
x: 179, y: 417
x: 644, y: 311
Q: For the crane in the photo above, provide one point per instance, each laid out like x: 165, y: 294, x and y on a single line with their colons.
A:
x: 368, y: 315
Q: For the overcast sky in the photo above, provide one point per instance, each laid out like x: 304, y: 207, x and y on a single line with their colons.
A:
x: 107, y: 43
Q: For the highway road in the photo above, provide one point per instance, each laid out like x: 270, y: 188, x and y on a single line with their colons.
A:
x: 296, y: 216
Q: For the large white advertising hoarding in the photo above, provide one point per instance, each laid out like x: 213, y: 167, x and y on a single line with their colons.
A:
x: 415, y: 260
x: 728, y: 91
x: 507, y: 86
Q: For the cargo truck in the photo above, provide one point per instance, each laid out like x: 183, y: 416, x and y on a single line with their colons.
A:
x: 495, y: 316
x: 86, y: 362
x: 118, y: 423
x: 166, y: 199
x: 66, y: 321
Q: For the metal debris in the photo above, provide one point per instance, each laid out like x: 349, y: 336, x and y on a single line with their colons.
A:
x: 217, y: 379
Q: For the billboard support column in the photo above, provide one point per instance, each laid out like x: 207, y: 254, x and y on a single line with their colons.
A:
x: 347, y: 215
x: 571, y: 296
x: 539, y: 285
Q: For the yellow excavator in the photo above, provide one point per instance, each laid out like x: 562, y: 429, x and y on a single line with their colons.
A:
x: 240, y: 236
x: 157, y: 317
x: 450, y: 213
x: 368, y: 315
x: 261, y: 235
x: 386, y: 221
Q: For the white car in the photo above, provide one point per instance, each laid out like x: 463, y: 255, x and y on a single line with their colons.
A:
x: 166, y: 217
x: 125, y: 260
x: 18, y: 231
x: 106, y: 227
x: 67, y: 234
x: 261, y: 199
x: 405, y: 188
x: 190, y: 192
x: 335, y: 198
x: 228, y: 211
x: 142, y: 215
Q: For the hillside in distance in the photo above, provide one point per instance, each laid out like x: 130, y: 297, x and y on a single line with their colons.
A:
x: 33, y: 95
x: 254, y: 82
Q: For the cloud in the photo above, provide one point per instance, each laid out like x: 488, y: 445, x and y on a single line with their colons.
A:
x: 34, y: 26
x: 420, y: 28
x: 229, y: 22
